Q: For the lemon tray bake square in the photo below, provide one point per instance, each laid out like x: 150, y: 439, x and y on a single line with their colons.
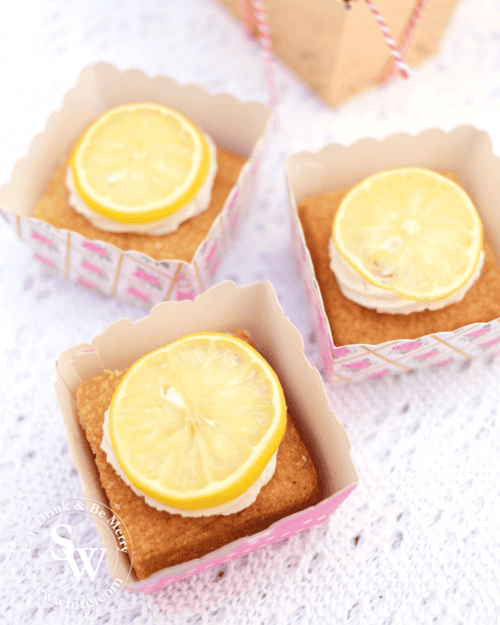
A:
x: 434, y: 338
x: 223, y: 308
x: 185, y: 263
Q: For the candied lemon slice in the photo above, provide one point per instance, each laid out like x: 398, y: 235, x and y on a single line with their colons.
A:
x: 411, y: 231
x: 140, y: 162
x: 194, y: 423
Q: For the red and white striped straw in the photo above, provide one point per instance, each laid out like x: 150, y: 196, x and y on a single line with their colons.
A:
x: 404, y: 70
x: 407, y: 37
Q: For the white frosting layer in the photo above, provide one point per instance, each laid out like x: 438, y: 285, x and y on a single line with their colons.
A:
x: 359, y: 290
x: 240, y: 503
x: 197, y: 205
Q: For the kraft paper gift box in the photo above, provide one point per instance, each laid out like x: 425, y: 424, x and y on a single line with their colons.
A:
x: 468, y: 153
x: 239, y: 128
x: 339, y: 52
x: 223, y: 308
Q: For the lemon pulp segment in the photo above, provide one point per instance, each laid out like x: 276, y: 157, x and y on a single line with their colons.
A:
x: 140, y: 162
x: 194, y: 423
x: 411, y: 231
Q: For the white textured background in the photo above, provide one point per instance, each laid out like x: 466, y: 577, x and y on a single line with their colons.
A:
x: 417, y: 542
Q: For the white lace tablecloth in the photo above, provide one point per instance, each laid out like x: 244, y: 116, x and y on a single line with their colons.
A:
x: 417, y: 541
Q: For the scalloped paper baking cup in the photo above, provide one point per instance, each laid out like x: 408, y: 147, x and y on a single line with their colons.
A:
x: 464, y: 150
x: 237, y: 127
x: 223, y: 308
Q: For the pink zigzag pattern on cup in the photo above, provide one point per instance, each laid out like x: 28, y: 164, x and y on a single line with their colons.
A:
x: 357, y: 365
x: 478, y: 333
x: 136, y: 293
x: 379, y: 374
x: 426, y: 355
x: 490, y: 343
x: 212, y: 260
x: 39, y: 237
x: 93, y: 247
x: 337, y: 352
x: 408, y: 347
x: 328, y: 363
x: 140, y: 274
x: 87, y: 284
x: 440, y: 363
x: 235, y: 217
x: 182, y: 295
x: 44, y: 261
x: 91, y: 267
x: 321, y: 319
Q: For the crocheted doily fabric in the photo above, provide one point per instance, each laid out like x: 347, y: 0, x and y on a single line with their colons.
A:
x: 417, y: 540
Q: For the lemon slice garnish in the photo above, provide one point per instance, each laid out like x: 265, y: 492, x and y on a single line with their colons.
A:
x: 140, y: 162
x: 194, y: 423
x: 411, y: 231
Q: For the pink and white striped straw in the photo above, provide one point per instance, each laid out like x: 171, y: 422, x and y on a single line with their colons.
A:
x: 265, y: 40
x: 404, y: 70
x: 407, y: 38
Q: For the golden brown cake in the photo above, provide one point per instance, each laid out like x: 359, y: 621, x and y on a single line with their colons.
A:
x: 179, y: 245
x: 161, y: 539
x: 351, y: 323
